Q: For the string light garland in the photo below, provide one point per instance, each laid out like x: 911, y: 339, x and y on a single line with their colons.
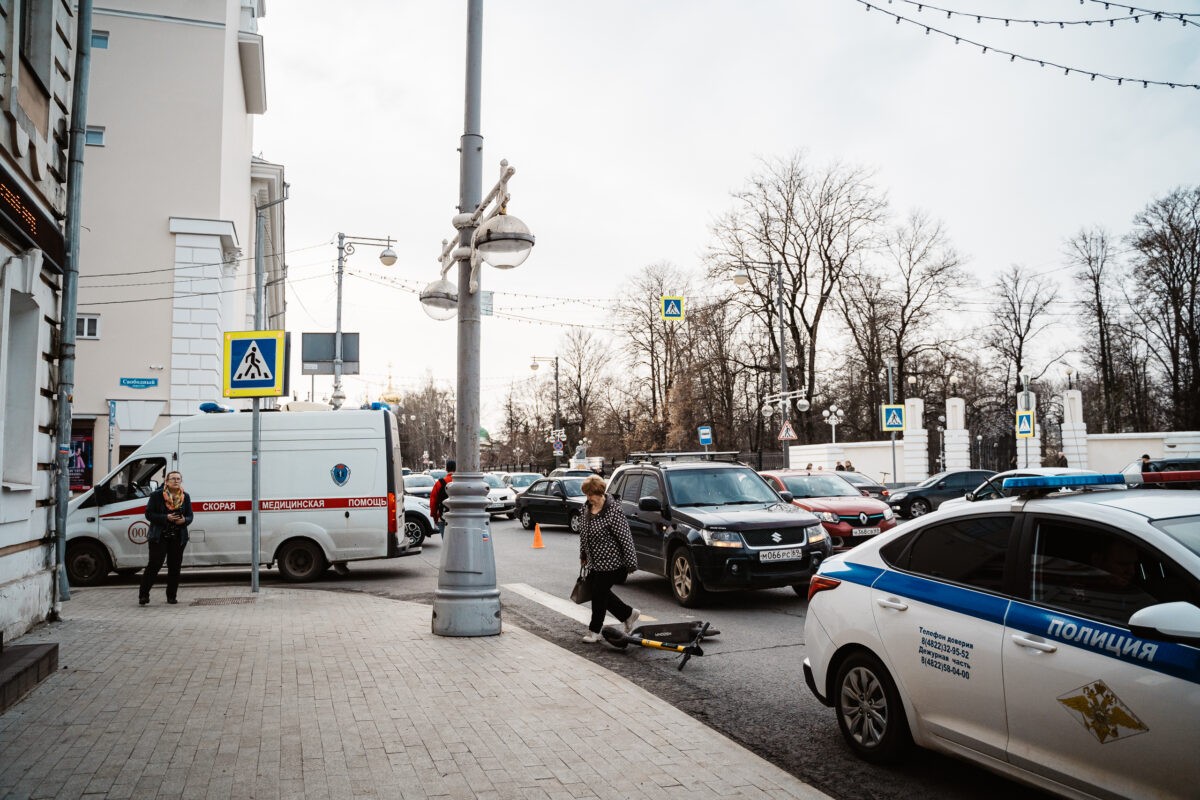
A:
x: 1136, y: 15
x: 1041, y: 62
x: 1132, y: 9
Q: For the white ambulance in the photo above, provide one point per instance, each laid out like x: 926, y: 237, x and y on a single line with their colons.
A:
x: 329, y: 493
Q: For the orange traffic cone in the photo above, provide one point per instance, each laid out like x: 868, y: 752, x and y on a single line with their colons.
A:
x: 537, y: 536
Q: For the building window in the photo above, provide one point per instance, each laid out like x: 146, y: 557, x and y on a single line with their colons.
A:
x: 87, y: 326
x: 94, y: 136
x: 19, y: 334
x: 99, y: 40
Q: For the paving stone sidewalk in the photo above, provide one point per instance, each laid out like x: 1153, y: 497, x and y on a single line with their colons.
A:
x: 316, y: 694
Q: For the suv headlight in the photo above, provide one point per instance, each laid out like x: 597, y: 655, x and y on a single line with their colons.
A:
x: 898, y: 496
x: 721, y: 538
x: 815, y: 533
x: 887, y: 512
x: 827, y: 516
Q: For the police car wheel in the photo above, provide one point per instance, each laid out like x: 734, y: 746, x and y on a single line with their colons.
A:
x: 87, y: 564
x: 301, y: 560
x: 685, y: 581
x: 416, y: 529
x: 869, y: 712
x: 526, y: 520
x: 919, y: 508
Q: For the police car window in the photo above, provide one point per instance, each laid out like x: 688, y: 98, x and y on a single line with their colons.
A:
x: 1101, y: 574
x: 968, y: 551
x: 1185, y: 530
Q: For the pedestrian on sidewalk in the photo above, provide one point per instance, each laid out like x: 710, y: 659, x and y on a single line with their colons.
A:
x: 169, y: 512
x: 438, y: 495
x: 606, y: 550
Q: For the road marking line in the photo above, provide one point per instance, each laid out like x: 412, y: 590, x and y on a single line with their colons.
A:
x: 562, y: 605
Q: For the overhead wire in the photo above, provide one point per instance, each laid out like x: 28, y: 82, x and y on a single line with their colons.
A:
x: 1013, y: 56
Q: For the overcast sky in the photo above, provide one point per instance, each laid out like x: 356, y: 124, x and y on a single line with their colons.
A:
x: 630, y: 122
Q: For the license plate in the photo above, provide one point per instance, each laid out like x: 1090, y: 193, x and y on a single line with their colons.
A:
x: 790, y: 554
x: 865, y: 531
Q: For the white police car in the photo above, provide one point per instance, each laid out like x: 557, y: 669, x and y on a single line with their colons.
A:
x: 1054, y: 638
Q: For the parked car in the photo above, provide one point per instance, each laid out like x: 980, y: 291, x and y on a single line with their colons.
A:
x: 418, y: 485
x: 863, y: 483
x: 1168, y: 464
x: 916, y: 501
x: 435, y: 473
x: 993, y: 486
x: 418, y: 524
x: 563, y: 472
x: 501, y: 499
x: 520, y: 481
x: 1053, y: 639
x: 714, y: 526
x: 552, y: 501
x: 849, y: 517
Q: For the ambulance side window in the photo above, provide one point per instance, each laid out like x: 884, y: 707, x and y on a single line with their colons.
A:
x: 136, y: 479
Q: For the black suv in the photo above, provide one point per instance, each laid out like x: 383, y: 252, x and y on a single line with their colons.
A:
x: 712, y: 526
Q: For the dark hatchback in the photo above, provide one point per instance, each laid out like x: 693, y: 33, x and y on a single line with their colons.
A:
x: 710, y: 526
x: 552, y: 501
x: 919, y: 500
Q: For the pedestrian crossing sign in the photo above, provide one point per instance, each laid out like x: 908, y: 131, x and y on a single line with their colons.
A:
x: 787, y: 433
x: 893, y: 417
x: 671, y: 308
x: 254, y: 363
x: 1025, y: 425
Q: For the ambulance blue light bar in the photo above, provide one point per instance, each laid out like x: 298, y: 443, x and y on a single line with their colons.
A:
x: 1066, y: 481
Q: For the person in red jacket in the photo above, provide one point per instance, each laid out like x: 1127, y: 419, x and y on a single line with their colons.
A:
x: 437, y: 497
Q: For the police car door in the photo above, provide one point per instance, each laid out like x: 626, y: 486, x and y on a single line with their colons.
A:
x: 940, y: 616
x: 1090, y: 704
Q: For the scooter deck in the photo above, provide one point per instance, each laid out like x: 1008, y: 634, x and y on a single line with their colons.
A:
x: 674, y: 632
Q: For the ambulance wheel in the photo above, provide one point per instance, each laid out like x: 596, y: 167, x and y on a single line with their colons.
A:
x: 526, y: 520
x: 685, y: 581
x: 869, y: 711
x: 87, y: 563
x: 301, y: 560
x: 416, y: 529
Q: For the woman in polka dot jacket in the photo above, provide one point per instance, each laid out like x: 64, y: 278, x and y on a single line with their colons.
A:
x: 606, y: 549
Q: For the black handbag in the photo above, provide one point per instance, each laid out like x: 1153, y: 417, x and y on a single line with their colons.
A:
x: 582, y: 591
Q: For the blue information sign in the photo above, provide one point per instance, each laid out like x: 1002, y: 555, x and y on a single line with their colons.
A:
x: 706, y: 437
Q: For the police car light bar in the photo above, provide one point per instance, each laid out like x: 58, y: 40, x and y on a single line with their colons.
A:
x: 1052, y: 482
x: 1065, y: 481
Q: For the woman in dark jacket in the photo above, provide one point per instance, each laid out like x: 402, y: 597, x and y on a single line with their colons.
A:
x: 606, y: 549
x: 169, y: 511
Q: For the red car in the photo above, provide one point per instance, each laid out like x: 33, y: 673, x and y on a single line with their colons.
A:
x: 849, y: 517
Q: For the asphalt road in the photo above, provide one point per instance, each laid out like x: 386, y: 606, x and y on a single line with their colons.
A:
x: 748, y: 685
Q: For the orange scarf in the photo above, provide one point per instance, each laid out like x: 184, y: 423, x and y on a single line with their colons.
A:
x: 174, y: 500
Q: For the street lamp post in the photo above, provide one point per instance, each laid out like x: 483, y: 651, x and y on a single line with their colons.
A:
x: 533, y: 365
x: 741, y: 278
x: 346, y: 248
x: 979, y: 450
x: 834, y: 416
x: 467, y: 600
x: 891, y: 367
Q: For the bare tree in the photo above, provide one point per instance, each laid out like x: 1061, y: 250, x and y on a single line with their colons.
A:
x: 585, y: 360
x: 1090, y: 251
x: 652, y: 343
x: 1019, y: 316
x: 1166, y: 268
x: 814, y: 222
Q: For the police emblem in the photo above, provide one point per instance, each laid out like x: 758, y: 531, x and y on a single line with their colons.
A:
x: 340, y: 474
x: 1102, y: 713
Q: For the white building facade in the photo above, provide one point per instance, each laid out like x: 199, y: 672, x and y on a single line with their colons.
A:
x: 37, y: 50
x: 171, y: 192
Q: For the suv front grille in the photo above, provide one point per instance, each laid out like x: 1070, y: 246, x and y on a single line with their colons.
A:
x: 775, y: 537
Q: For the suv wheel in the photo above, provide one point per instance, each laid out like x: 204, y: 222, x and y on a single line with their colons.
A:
x: 685, y: 581
x: 919, y: 508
